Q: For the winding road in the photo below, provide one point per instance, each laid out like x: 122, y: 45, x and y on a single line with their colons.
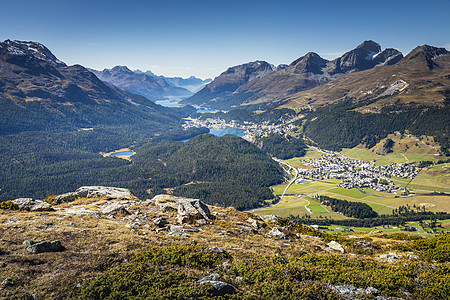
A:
x: 292, y: 181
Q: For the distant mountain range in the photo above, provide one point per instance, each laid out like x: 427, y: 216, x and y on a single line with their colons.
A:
x: 40, y: 92
x: 150, y: 85
x: 247, y: 84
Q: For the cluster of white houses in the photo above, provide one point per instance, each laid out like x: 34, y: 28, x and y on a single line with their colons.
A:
x: 357, y: 173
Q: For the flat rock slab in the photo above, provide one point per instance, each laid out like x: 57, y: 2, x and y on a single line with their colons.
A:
x: 31, y: 204
x: 94, y: 191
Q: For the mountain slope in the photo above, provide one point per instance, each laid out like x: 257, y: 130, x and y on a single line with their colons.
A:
x: 229, y: 81
x: 39, y: 92
x: 422, y: 77
x: 364, y: 107
x: 151, y: 87
x: 302, y: 74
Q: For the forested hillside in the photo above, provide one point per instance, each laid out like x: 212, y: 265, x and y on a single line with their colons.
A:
x: 226, y: 170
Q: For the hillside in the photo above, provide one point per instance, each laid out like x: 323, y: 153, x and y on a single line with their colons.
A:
x: 304, y: 73
x: 39, y: 92
x: 106, y: 244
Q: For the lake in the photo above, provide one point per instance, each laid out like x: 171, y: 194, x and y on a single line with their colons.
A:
x: 169, y: 104
x: 123, y: 153
x: 223, y: 131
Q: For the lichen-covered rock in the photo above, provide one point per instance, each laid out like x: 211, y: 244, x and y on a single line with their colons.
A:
x: 336, y: 246
x: 113, y: 208
x: 189, y: 210
x: 31, y: 204
x: 43, y: 246
x: 277, y: 232
x: 94, y: 191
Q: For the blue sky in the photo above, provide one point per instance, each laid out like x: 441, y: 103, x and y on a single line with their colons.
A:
x: 204, y: 38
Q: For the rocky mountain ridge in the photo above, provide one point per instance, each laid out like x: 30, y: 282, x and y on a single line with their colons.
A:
x: 304, y: 73
x: 38, y: 91
x: 421, y: 77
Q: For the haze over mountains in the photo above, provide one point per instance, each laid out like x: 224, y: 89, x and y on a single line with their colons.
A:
x: 150, y: 85
x: 304, y: 73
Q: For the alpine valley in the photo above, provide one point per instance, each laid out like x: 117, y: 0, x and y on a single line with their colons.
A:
x: 339, y: 189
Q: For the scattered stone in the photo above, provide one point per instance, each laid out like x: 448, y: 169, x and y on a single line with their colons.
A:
x: 43, y: 246
x: 411, y: 256
x: 160, y: 222
x: 194, y: 243
x: 349, y: 291
x: 180, y: 234
x: 375, y: 232
x: 336, y: 246
x: 239, y: 279
x: 12, y: 220
x: 222, y: 235
x: 8, y: 282
x: 365, y: 245
x: 220, y: 251
x: 28, y: 296
x: 271, y: 218
x: 113, y: 208
x: 277, y: 232
x: 32, y: 205
x: 390, y: 257
x: 94, y: 191
x: 255, y: 224
x: 220, y: 288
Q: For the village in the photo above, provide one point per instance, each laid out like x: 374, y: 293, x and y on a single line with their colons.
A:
x: 353, y: 173
x: 356, y: 173
x: 252, y: 130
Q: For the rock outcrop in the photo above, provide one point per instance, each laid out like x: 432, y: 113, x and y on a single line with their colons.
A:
x: 94, y: 191
x: 189, y: 210
x: 31, y: 204
x: 43, y: 246
x: 277, y: 232
x: 336, y: 246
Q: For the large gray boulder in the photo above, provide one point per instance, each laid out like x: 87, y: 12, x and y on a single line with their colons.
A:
x: 43, y: 246
x: 94, y: 191
x: 189, y: 210
x: 31, y: 204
